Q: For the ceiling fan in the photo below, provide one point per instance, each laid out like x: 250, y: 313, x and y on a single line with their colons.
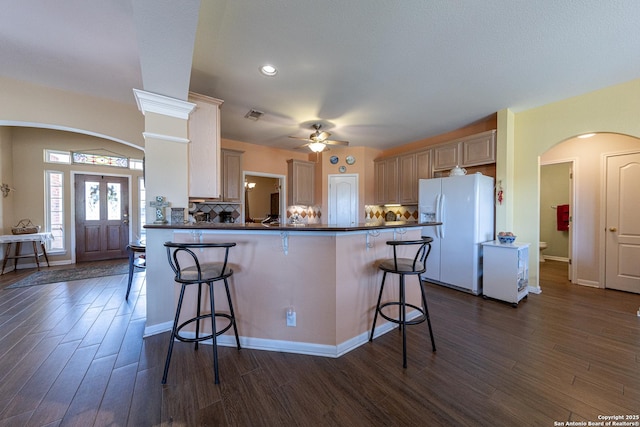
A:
x: 318, y: 140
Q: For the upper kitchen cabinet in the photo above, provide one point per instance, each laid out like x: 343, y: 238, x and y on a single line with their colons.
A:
x: 446, y: 156
x: 479, y: 149
x: 407, y: 179
x: 204, y: 147
x: 232, y: 185
x: 396, y: 178
x: 300, y: 182
x: 474, y: 150
x: 386, y: 180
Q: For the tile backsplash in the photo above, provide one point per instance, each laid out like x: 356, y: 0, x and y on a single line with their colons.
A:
x: 214, y: 209
x: 307, y: 214
x: 378, y: 213
x: 304, y: 214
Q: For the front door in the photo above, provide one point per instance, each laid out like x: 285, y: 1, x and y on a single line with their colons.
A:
x: 102, y: 217
x: 343, y: 200
x: 622, y: 241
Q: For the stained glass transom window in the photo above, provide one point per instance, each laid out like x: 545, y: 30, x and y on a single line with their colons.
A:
x: 100, y: 159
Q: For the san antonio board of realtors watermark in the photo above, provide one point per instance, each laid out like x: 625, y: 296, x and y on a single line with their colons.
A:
x: 604, y: 421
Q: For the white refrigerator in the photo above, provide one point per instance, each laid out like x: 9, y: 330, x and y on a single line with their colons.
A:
x: 465, y: 206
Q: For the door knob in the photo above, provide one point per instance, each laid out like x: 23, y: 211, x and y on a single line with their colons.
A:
x: 613, y: 229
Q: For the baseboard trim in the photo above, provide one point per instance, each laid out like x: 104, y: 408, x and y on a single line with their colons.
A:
x: 555, y: 258
x: 157, y: 329
x: 311, y: 349
x: 589, y: 283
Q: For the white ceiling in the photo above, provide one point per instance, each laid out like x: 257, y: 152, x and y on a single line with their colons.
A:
x: 378, y: 73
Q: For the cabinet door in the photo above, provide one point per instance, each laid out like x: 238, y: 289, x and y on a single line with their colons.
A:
x: 301, y: 182
x: 479, y: 150
x: 204, y: 147
x: 379, y: 177
x: 446, y: 156
x: 391, y: 180
x: 231, y: 176
x: 407, y: 179
x: 423, y: 164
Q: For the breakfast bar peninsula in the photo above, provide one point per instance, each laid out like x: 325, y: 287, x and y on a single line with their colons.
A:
x: 326, y: 274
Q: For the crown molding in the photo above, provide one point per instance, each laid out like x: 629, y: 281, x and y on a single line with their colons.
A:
x: 160, y: 104
x: 152, y: 135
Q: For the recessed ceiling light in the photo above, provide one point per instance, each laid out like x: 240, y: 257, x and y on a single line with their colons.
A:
x: 586, y: 135
x: 268, y: 70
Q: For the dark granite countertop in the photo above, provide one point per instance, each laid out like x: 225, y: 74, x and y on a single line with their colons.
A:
x: 291, y: 227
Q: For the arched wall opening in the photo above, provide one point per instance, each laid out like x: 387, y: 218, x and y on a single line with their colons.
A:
x: 589, y: 174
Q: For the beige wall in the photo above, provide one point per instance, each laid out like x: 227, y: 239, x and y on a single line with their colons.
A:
x: 6, y: 177
x: 27, y: 159
x: 615, y: 109
x: 258, y: 158
x: 363, y: 167
x: 26, y: 104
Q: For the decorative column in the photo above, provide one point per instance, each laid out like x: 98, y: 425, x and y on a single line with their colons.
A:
x: 166, y: 173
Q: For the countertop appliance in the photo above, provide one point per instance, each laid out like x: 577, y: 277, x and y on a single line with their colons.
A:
x: 464, y: 204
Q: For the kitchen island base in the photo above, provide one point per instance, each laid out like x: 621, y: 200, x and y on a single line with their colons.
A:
x: 330, y: 278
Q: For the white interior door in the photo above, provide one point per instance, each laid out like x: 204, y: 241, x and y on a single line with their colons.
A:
x: 622, y: 241
x: 343, y: 200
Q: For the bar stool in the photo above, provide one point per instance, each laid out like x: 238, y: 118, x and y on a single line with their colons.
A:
x: 197, y: 273
x: 403, y: 267
x: 140, y: 262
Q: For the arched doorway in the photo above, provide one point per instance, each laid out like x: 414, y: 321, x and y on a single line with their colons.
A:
x: 589, y: 255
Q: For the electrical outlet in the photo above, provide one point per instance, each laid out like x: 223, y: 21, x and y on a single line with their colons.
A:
x: 291, y: 318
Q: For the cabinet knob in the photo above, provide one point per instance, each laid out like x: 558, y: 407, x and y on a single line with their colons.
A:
x: 613, y: 229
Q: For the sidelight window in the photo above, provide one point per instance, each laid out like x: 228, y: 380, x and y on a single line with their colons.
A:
x: 54, y: 210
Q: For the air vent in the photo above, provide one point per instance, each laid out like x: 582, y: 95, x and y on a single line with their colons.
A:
x: 253, y: 115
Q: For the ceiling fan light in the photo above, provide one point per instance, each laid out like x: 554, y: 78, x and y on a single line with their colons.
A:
x: 316, y: 147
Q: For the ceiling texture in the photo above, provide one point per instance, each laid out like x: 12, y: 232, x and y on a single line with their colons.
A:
x: 378, y: 73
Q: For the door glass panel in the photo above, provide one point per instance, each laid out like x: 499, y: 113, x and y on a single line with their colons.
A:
x: 92, y: 200
x: 114, y: 198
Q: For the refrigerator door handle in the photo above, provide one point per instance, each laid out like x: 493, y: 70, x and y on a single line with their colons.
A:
x: 441, y: 214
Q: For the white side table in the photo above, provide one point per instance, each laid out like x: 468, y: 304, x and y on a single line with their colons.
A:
x: 505, y: 271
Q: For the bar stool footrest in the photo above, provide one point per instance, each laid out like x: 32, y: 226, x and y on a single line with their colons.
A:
x: 415, y: 321
x: 207, y: 337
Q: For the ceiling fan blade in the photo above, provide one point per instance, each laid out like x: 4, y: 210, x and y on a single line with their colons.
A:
x: 299, y: 137
x: 334, y: 142
x: 301, y: 146
x: 321, y: 136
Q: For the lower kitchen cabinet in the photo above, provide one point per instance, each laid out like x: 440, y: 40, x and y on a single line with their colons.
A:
x: 505, y: 271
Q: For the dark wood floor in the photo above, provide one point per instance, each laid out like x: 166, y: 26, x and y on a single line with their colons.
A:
x: 73, y: 354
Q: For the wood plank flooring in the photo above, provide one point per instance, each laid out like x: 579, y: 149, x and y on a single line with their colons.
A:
x: 72, y: 354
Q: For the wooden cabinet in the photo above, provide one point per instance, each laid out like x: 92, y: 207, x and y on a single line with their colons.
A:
x: 231, y: 176
x: 474, y: 150
x: 423, y: 164
x: 446, y: 156
x: 396, y: 178
x: 386, y: 180
x: 300, y: 182
x: 407, y: 179
x: 379, y: 172
x: 479, y: 149
x: 204, y: 147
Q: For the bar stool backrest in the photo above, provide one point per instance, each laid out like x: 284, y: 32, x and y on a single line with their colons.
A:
x: 175, y: 249
x: 418, y: 264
